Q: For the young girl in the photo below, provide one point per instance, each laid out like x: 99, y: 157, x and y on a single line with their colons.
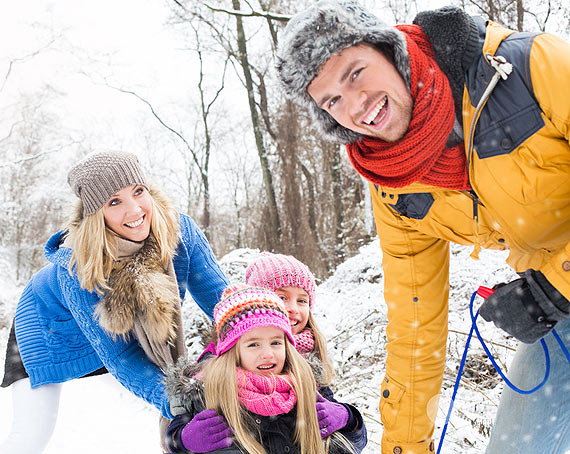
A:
x: 109, y: 300
x: 256, y: 387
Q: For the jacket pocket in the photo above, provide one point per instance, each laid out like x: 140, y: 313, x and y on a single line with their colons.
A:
x: 392, y: 393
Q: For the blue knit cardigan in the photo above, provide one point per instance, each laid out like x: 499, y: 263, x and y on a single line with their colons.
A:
x: 60, y: 339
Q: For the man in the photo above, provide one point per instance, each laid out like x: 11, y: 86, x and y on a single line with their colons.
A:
x: 462, y: 128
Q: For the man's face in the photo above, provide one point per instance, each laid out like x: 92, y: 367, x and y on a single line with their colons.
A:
x: 362, y: 90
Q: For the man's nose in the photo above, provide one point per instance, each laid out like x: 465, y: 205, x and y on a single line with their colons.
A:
x: 356, y: 100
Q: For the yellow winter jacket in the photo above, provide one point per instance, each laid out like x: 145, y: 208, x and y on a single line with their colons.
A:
x: 519, y: 168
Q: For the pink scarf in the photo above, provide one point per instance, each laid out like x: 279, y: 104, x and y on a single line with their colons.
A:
x: 266, y: 396
x: 304, y: 341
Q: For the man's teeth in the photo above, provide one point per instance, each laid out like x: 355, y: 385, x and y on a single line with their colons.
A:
x: 136, y: 223
x: 372, y: 115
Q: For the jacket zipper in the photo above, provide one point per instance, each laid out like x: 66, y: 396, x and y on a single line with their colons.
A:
x: 502, y: 70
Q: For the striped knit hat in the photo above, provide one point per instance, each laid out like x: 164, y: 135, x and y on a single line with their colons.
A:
x: 97, y: 177
x: 274, y: 271
x: 243, y: 308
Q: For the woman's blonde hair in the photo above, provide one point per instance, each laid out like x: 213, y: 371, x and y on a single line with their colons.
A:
x: 221, y: 392
x: 93, y: 243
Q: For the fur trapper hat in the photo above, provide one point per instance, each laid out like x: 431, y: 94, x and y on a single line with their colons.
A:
x: 314, y: 35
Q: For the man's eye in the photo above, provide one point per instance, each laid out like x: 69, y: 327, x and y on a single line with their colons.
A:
x: 333, y: 101
x: 355, y: 74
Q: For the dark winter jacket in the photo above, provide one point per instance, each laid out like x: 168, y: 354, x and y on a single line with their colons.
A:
x: 60, y: 338
x: 276, y: 432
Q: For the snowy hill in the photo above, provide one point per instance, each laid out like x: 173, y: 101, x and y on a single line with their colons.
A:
x: 100, y: 416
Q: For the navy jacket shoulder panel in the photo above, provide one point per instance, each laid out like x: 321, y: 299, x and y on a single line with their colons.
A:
x: 511, y: 114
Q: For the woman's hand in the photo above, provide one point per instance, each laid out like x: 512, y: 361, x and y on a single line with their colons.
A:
x: 206, y: 432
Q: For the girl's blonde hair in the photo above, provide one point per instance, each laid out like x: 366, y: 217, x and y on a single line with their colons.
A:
x: 93, y: 243
x: 320, y: 350
x: 221, y: 392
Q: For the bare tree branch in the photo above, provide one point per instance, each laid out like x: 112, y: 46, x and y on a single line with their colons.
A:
x: 251, y: 13
x: 23, y: 59
x: 38, y: 155
x: 234, y: 12
x: 161, y: 121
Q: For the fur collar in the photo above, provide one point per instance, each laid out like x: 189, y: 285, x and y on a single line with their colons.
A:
x: 185, y: 391
x: 140, y: 287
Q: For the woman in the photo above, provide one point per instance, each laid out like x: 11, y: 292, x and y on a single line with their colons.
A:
x: 109, y: 300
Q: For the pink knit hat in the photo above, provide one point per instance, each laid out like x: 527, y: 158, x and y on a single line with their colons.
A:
x: 274, y: 271
x: 243, y: 308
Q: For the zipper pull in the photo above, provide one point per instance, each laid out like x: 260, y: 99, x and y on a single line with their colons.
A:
x: 501, y: 65
x: 477, y: 248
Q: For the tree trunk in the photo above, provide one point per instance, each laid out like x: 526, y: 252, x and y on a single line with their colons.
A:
x: 337, y: 202
x: 520, y: 15
x: 267, y: 178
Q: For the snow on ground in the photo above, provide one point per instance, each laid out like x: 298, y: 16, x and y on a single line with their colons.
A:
x: 98, y: 415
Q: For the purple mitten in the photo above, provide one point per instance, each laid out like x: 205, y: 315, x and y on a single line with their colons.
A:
x: 206, y: 432
x: 332, y: 416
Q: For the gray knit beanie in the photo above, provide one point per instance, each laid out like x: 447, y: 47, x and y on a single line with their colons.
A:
x: 97, y: 177
x: 321, y: 31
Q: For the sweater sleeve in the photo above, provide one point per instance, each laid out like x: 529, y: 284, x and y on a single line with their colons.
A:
x: 203, y: 276
x: 123, y: 358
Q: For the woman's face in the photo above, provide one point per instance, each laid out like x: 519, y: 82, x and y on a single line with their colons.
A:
x: 262, y: 350
x: 128, y: 213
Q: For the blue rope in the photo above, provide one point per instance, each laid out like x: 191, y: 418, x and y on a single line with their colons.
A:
x: 495, y: 365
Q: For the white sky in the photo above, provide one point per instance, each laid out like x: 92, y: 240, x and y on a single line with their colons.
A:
x: 125, y: 42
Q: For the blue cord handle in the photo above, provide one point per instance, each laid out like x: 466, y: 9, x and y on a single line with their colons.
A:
x: 496, y: 366
x: 483, y: 291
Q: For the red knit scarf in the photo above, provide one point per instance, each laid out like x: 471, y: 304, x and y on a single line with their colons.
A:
x: 421, y: 154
